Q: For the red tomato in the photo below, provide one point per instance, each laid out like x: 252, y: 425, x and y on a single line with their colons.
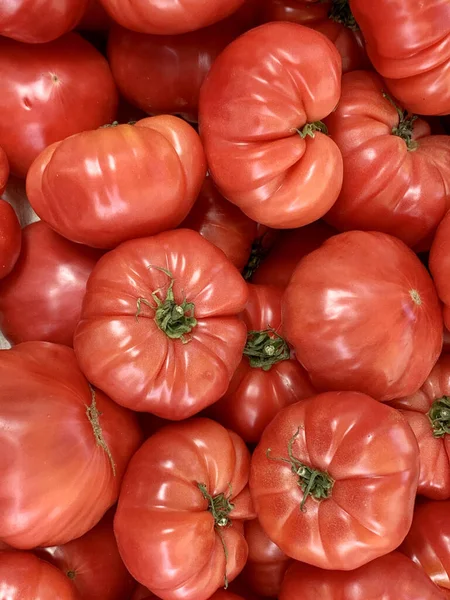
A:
x: 99, y: 188
x: 362, y: 314
x: 222, y: 224
x: 408, y: 43
x: 53, y: 90
x: 334, y: 480
x: 23, y: 576
x: 62, y: 469
x: 41, y: 299
x: 333, y: 18
x: 439, y: 265
x: 142, y: 593
x: 396, y: 175
x: 159, y: 330
x: 266, y: 564
x: 37, y: 21
x: 10, y: 239
x: 4, y: 170
x: 390, y: 577
x: 427, y: 542
x: 260, y: 111
x: 95, y: 17
x: 185, y: 491
x: 277, y: 268
x: 446, y: 346
x: 225, y: 595
x: 93, y: 563
x: 268, y: 377
x: 168, y: 18
x: 428, y: 413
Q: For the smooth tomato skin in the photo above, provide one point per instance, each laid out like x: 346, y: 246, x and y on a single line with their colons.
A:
x: 53, y: 90
x: 161, y: 504
x: 169, y: 18
x: 427, y: 542
x: 26, y: 577
x: 254, y: 396
x: 57, y: 481
x: 126, y: 195
x: 290, y: 247
x: 4, y: 170
x: 408, y: 43
x: 434, y: 481
x: 10, y: 238
x: 386, y: 186
x: 261, y: 89
x: 47, y: 285
x: 370, y: 452
x: 390, y: 577
x: 223, y: 224
x: 92, y: 562
x: 439, y: 264
x: 130, y: 357
x: 362, y: 314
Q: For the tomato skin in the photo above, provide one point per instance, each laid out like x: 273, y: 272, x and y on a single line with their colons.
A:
x: 387, y: 187
x: 53, y: 90
x: 95, y: 18
x: 152, y: 372
x: 409, y: 45
x: 47, y: 285
x: 262, y: 88
x: 439, y: 264
x: 161, y: 503
x: 390, y: 577
x: 10, y: 238
x: 4, y: 170
x: 362, y: 314
x: 254, y: 395
x: 427, y: 542
x: 126, y: 196
x: 370, y: 452
x: 64, y: 477
x: 26, y: 577
x: 93, y: 563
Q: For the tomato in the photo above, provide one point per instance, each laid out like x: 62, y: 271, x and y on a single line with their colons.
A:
x: 186, y: 488
x: 362, y: 314
x: 408, y: 43
x: 396, y: 175
x: 334, y: 480
x: 446, y: 346
x: 95, y: 17
x: 225, y: 595
x: 142, y: 593
x: 168, y: 18
x: 41, y: 299
x: 390, y: 577
x: 23, y: 576
x: 427, y: 542
x: 222, y: 224
x: 159, y: 330
x: 260, y: 111
x: 4, y: 170
x: 63, y: 467
x: 10, y: 239
x: 266, y: 564
x: 268, y: 377
x: 439, y: 265
x: 277, y: 268
x: 333, y: 18
x: 125, y: 195
x: 93, y: 563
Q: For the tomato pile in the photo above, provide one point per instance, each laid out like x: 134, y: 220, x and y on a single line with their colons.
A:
x: 224, y: 300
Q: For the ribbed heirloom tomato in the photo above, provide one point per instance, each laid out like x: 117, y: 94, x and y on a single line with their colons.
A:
x: 334, y: 480
x: 10, y: 238
x: 439, y: 264
x: 260, y: 115
x: 179, y: 518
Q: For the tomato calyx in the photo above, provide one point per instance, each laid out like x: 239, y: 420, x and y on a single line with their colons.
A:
x: 71, y: 575
x: 310, y: 129
x: 439, y: 416
x: 405, y: 127
x: 220, y: 507
x: 257, y: 255
x: 266, y: 348
x: 94, y: 419
x: 340, y: 12
x: 312, y: 482
x: 175, y: 320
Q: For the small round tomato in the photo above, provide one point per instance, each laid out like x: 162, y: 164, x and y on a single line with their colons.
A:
x: 4, y: 170
x: 439, y: 264
x: 186, y: 488
x: 10, y: 239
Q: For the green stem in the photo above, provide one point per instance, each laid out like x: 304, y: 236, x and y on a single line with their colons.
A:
x: 340, y: 12
x: 439, y: 415
x: 257, y: 255
x: 312, y: 482
x: 94, y: 419
x: 266, y: 348
x: 405, y: 127
x: 311, y: 128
